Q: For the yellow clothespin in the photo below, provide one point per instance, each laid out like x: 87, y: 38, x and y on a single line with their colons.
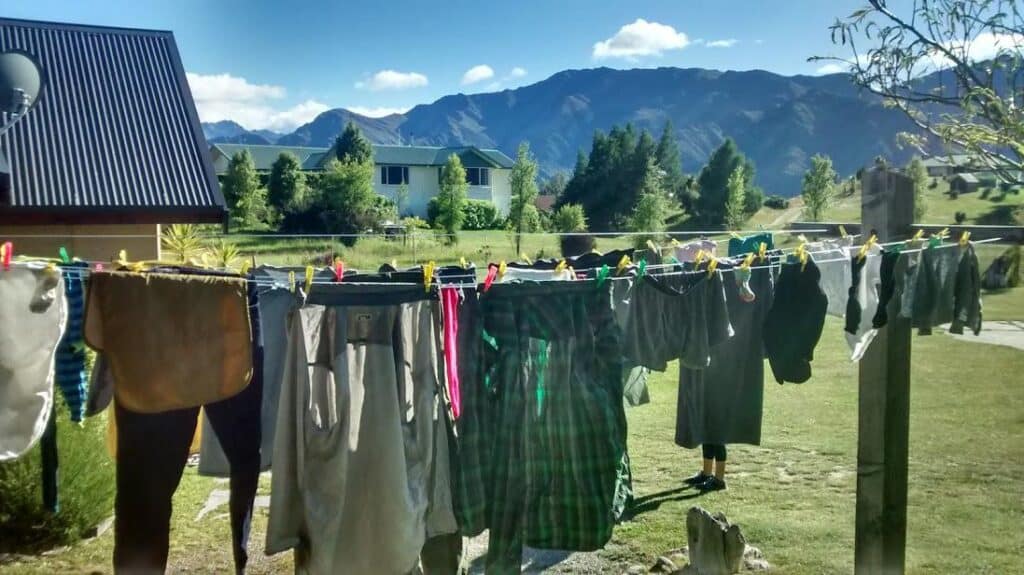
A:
x: 712, y: 265
x: 747, y: 261
x: 625, y: 261
x: 863, y: 253
x: 291, y: 281
x: 917, y: 236
x: 801, y: 255
x: 675, y: 243
x: 122, y: 258
x: 802, y: 238
x: 561, y: 266
x: 735, y: 235
x: 394, y: 263
x: 309, y: 278
x: 465, y: 264
x: 762, y: 251
x: 652, y: 247
x: 941, y: 234
x: 501, y: 269
x: 246, y: 264
x: 526, y: 259
x: 965, y: 238
x: 428, y: 275
x: 842, y: 231
x: 699, y: 258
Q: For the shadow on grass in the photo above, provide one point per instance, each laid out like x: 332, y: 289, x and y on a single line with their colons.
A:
x: 1002, y: 216
x: 652, y: 502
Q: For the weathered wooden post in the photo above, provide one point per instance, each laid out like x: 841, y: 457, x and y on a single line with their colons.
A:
x: 887, y: 209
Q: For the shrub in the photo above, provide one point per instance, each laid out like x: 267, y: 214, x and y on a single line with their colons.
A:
x: 776, y: 202
x: 576, y: 245
x: 960, y: 217
x: 86, y: 489
x: 412, y: 223
x: 934, y: 184
x: 954, y: 193
x: 480, y: 215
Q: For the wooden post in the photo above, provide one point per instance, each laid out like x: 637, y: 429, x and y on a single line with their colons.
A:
x: 887, y: 209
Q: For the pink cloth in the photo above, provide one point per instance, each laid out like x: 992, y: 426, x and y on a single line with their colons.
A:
x: 450, y: 313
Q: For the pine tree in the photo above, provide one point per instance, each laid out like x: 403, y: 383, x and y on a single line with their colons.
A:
x: 818, y: 187
x: 352, y: 145
x: 713, y: 182
x: 347, y: 198
x: 245, y: 198
x: 286, y: 185
x: 650, y: 214
x: 523, y: 181
x: 452, y: 198
x: 670, y: 161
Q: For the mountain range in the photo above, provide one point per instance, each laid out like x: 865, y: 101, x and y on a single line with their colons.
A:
x: 777, y: 121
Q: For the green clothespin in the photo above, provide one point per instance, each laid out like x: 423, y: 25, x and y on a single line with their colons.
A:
x: 64, y: 255
x: 641, y: 268
x: 602, y: 274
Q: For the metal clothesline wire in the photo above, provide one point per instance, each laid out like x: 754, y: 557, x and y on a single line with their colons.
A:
x: 300, y: 280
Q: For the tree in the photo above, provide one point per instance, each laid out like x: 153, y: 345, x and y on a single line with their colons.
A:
x: 735, y: 208
x: 650, y: 214
x: 286, y: 185
x: 352, y: 145
x: 713, y: 182
x: 569, y: 218
x: 452, y: 197
x: 818, y: 187
x: 670, y: 161
x: 555, y: 185
x: 919, y: 174
x: 953, y: 67
x: 523, y: 181
x: 401, y: 198
x: 241, y: 188
x: 347, y: 200
x: 753, y: 196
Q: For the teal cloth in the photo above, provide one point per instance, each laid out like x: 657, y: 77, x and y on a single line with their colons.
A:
x: 739, y: 246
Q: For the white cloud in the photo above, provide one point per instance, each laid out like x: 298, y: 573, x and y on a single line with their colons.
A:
x: 477, y: 74
x: 727, y: 43
x: 984, y: 46
x: 831, y: 68
x: 376, y: 112
x: 226, y: 97
x: 392, y: 80
x: 641, y: 38
x: 517, y: 72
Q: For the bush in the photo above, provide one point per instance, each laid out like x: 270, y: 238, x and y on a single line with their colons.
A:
x: 86, y: 489
x: 576, y: 245
x: 478, y: 214
x: 934, y: 184
x: 412, y: 223
x: 960, y: 217
x: 569, y: 218
x: 776, y: 202
x: 954, y: 193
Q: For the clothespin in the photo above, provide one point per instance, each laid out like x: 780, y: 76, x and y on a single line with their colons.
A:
x: 572, y: 273
x: 941, y: 234
x: 712, y: 265
x: 735, y: 235
x: 465, y: 264
x: 641, y: 267
x: 594, y: 251
x: 917, y: 236
x: 653, y: 247
x: 394, y: 263
x: 6, y: 251
x: 122, y: 258
x: 762, y: 251
x: 428, y: 275
x: 64, y: 255
x: 246, y: 266
x: 747, y: 261
x: 863, y: 253
x: 842, y: 231
x: 339, y: 269
x: 965, y: 238
x: 492, y: 272
x: 602, y: 274
x: 309, y: 278
x: 625, y: 261
x: 501, y: 269
x: 99, y: 267
x: 291, y: 281
x: 561, y: 266
x: 699, y: 258
x: 675, y: 243
x: 526, y: 259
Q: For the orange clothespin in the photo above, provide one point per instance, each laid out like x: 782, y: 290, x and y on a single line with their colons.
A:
x: 6, y: 251
x: 965, y: 238
x: 625, y: 261
x: 309, y: 278
x: 339, y: 269
x: 863, y: 253
x: 428, y: 275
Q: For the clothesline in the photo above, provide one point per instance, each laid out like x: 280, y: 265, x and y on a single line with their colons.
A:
x: 300, y: 280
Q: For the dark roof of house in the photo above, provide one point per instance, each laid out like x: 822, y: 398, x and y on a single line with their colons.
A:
x: 545, y: 203
x: 967, y: 178
x: 315, y: 158
x: 951, y: 160
x: 114, y: 137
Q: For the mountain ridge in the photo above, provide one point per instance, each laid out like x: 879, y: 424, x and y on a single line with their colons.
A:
x: 778, y: 121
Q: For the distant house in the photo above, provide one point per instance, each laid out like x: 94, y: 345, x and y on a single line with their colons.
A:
x: 418, y: 167
x: 943, y: 166
x: 545, y: 203
x: 964, y: 183
x: 113, y: 148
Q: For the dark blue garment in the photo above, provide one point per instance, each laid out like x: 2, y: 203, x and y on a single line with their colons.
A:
x: 69, y: 366
x: 152, y: 449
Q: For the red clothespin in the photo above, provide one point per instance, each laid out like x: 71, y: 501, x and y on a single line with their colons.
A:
x: 6, y: 251
x: 492, y: 272
x: 339, y: 269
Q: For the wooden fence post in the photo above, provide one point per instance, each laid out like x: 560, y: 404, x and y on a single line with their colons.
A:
x: 887, y: 209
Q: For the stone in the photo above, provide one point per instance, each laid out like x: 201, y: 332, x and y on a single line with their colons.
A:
x: 715, y: 546
x: 663, y: 565
x: 636, y: 570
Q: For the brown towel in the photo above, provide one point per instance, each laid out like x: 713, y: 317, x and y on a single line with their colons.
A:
x: 173, y: 341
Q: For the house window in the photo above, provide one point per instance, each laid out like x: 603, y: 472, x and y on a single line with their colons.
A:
x: 394, y: 175
x: 478, y: 176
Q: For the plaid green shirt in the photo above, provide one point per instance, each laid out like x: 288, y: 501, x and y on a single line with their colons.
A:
x: 542, y: 438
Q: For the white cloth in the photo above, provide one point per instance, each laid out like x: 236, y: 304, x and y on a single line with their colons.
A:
x: 525, y: 274
x: 867, y: 297
x: 360, y: 459
x: 833, y: 259
x: 33, y: 312
x: 688, y: 251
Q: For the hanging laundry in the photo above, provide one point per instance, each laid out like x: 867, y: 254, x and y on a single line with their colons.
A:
x: 31, y: 298
x: 361, y: 454
x: 153, y: 447
x: 886, y: 287
x: 795, y: 321
x: 553, y: 437
x: 147, y: 323
x: 71, y: 376
x: 862, y: 302
x: 688, y: 252
x: 450, y: 315
x: 513, y: 274
x: 101, y: 387
x: 833, y: 260
x: 750, y: 244
x: 943, y: 286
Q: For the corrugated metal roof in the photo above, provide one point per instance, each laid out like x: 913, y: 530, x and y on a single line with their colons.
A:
x: 315, y: 158
x: 115, y: 136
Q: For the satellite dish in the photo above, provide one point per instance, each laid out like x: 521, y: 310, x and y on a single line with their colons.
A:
x: 21, y: 83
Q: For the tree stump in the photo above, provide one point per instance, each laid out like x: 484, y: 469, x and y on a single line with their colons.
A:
x: 715, y: 546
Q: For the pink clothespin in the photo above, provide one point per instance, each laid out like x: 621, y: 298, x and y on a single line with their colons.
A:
x: 339, y: 270
x: 7, y: 251
x: 492, y: 272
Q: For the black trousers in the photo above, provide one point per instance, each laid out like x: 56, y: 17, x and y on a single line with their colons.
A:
x: 152, y: 450
x: 714, y: 451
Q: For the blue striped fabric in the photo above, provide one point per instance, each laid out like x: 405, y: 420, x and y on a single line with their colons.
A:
x: 70, y: 374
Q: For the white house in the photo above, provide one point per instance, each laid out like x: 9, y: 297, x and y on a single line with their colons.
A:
x: 418, y: 167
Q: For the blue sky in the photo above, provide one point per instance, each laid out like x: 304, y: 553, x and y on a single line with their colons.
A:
x: 275, y: 64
